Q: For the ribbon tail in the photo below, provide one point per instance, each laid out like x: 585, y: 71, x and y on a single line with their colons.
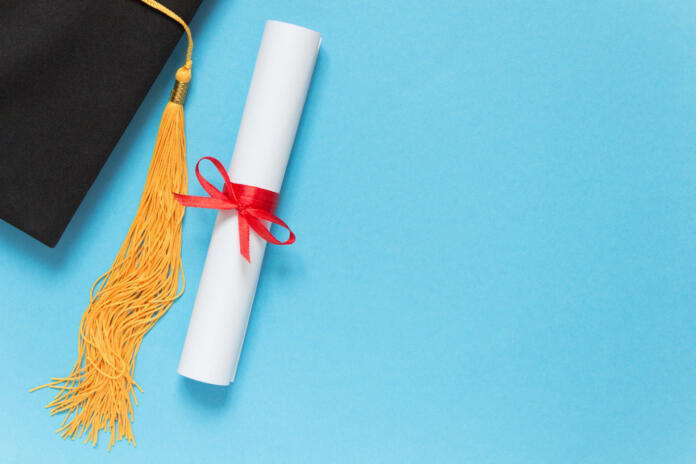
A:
x: 243, y: 236
x: 259, y: 228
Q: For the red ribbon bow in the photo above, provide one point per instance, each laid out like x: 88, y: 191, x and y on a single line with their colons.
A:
x: 253, y: 204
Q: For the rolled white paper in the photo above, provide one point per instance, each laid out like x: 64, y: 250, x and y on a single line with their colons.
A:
x: 277, y: 94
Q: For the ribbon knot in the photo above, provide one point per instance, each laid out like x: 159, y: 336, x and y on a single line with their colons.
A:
x: 253, y: 205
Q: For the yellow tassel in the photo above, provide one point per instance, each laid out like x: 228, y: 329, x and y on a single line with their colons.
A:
x: 135, y: 293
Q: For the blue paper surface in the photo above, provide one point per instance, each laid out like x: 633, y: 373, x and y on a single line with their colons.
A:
x: 495, y: 209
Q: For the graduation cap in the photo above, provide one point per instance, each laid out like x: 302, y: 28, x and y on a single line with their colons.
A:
x: 73, y: 75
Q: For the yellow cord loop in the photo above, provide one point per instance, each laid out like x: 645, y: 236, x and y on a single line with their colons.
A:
x: 166, y: 11
x: 183, y: 75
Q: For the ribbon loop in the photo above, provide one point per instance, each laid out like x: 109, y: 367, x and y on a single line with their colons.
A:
x: 253, y: 205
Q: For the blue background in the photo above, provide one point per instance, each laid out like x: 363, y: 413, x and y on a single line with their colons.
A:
x: 495, y: 203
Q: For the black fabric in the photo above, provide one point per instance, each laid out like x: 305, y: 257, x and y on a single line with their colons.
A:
x: 72, y: 74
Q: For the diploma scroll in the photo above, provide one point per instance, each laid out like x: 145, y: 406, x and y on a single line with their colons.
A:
x: 277, y: 94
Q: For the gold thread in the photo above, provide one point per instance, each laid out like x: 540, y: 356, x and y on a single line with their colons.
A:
x: 164, y: 10
x: 138, y: 289
x: 179, y: 92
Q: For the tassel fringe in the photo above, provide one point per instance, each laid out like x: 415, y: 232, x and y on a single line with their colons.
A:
x: 129, y: 299
x: 136, y: 292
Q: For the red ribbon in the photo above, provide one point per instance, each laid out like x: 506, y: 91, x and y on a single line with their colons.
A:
x: 253, y: 204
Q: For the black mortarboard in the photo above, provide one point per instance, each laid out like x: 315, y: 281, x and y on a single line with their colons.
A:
x: 73, y: 74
